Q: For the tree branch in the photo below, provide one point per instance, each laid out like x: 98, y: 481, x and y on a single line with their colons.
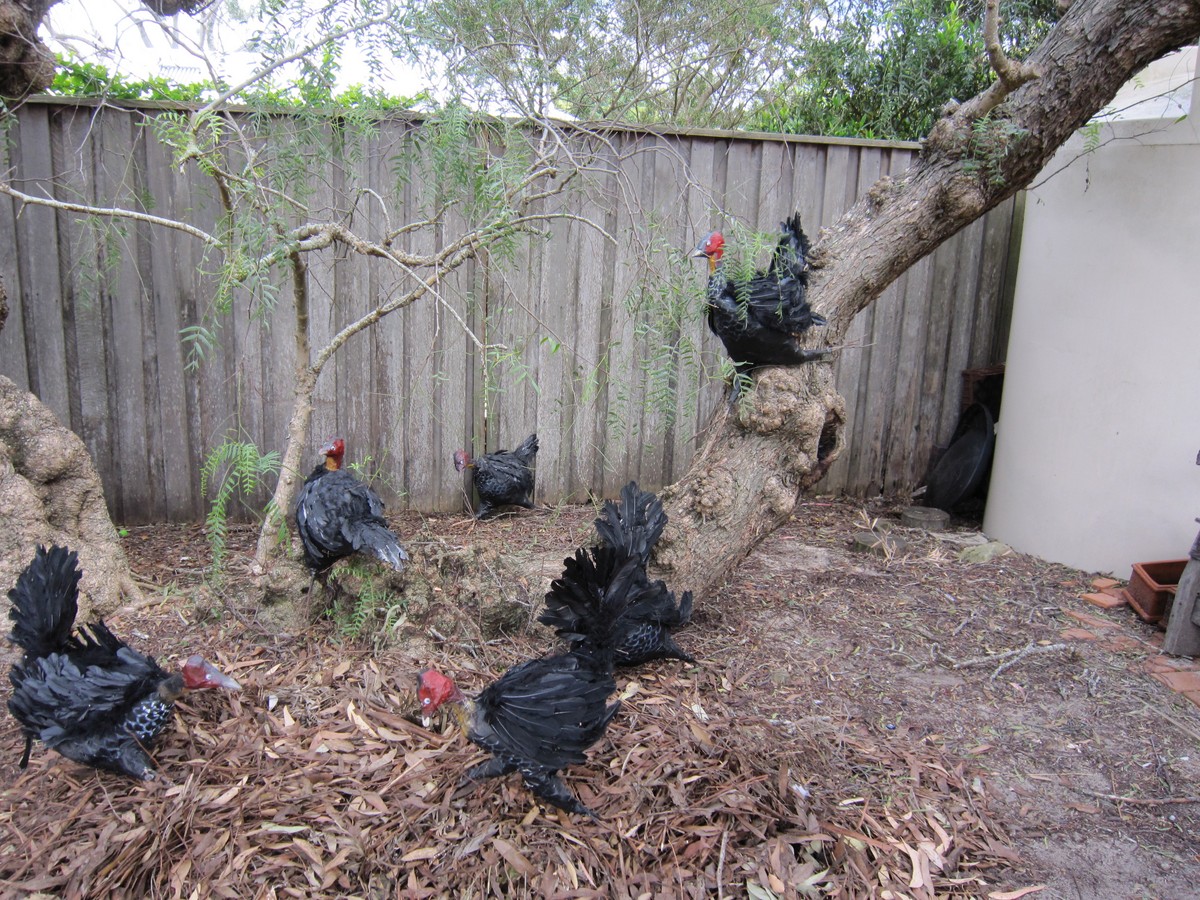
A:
x: 1012, y: 74
x: 111, y: 212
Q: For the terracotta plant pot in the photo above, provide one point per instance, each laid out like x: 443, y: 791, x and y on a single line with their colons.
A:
x: 1152, y: 588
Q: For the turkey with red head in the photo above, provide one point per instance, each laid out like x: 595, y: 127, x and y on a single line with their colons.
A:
x: 541, y: 715
x: 537, y: 718
x: 337, y: 516
x: 503, y: 478
x: 760, y: 319
x: 85, y: 693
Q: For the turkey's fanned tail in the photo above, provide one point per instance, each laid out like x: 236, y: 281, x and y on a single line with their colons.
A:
x: 634, y: 525
x: 45, y: 601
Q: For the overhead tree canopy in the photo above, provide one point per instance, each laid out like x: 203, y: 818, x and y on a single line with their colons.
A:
x: 885, y: 68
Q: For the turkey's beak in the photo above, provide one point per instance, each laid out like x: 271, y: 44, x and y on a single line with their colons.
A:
x: 699, y: 251
x: 215, y: 678
x: 426, y: 722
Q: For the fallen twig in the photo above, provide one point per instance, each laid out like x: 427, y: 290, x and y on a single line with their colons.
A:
x: 1028, y: 651
x: 1137, y: 801
x: 1011, y: 657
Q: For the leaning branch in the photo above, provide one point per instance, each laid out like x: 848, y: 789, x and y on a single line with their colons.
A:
x: 259, y: 74
x: 111, y: 212
x: 1012, y: 73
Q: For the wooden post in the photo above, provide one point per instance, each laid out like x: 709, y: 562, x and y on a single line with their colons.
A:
x: 1183, y: 630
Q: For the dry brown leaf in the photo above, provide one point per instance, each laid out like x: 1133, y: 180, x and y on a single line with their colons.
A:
x: 513, y: 856
x: 420, y: 854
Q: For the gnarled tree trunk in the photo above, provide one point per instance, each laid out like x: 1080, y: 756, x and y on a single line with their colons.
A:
x: 26, y: 64
x: 49, y: 485
x: 755, y: 465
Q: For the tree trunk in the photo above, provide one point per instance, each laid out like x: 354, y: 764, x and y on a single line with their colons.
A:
x: 26, y: 64
x: 289, y: 470
x: 49, y: 485
x: 757, y: 462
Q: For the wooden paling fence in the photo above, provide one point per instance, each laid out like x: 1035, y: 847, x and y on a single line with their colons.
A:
x: 611, y: 366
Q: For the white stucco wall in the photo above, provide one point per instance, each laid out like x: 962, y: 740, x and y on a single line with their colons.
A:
x: 1099, y: 431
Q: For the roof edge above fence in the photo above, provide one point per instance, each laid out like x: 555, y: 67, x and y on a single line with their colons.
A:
x: 603, y: 127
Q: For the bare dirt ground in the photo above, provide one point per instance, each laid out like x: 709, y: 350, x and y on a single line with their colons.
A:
x: 858, y: 725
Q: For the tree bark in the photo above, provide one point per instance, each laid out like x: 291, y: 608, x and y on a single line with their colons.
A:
x: 49, y: 485
x: 756, y: 462
x: 26, y: 64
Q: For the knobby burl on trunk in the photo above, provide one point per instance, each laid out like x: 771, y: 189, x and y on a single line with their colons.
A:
x: 756, y: 462
x: 26, y: 63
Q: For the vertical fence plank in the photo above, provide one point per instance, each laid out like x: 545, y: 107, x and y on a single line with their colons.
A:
x: 454, y: 359
x: 421, y: 321
x: 125, y: 302
x: 696, y: 387
x: 393, y: 170
x: 82, y: 259
x: 840, y: 182
x: 178, y: 465
x: 553, y: 333
x: 41, y: 287
x: 13, y: 363
x: 937, y: 337
x: 902, y: 435
x: 869, y: 412
x: 589, y: 249
x: 208, y: 369
x: 962, y: 322
x: 989, y: 299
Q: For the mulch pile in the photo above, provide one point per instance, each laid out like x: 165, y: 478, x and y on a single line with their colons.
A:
x: 316, y: 780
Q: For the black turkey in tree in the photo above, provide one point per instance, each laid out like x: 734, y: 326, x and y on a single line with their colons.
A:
x: 87, y: 694
x: 760, y: 319
x: 337, y: 516
x: 503, y: 478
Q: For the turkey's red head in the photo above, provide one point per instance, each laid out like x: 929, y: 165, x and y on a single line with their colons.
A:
x: 434, y: 689
x: 199, y: 674
x: 712, y: 246
x: 462, y: 460
x: 334, y: 450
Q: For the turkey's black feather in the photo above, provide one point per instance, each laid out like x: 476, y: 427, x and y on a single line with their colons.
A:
x: 541, y: 716
x: 337, y: 515
x: 505, y: 478
x: 760, y: 319
x: 581, y: 602
x: 45, y: 602
x: 634, y: 525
